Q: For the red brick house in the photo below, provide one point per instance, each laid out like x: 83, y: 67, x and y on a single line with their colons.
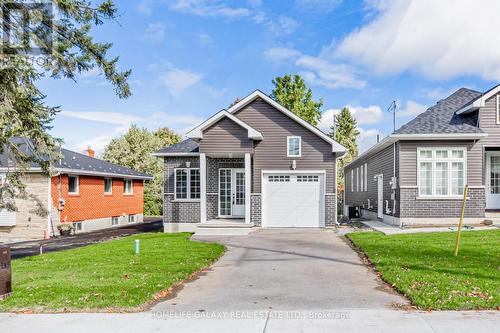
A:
x: 86, y: 192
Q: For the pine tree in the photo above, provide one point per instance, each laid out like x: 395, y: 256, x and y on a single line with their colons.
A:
x: 56, y: 42
x: 345, y: 131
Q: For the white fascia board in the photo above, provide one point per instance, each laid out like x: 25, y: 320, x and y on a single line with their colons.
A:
x: 389, y: 140
x: 175, y: 154
x: 197, y: 132
x: 479, y: 102
x: 444, y: 136
x: 336, y: 147
x: 99, y: 173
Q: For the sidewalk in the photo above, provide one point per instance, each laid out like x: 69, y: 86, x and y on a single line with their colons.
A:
x: 388, y: 229
x: 344, y: 320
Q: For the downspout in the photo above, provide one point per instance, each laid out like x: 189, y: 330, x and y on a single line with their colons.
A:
x: 396, y: 178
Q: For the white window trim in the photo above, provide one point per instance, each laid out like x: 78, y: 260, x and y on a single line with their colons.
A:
x: 111, y: 179
x: 117, y: 219
x: 366, y: 177
x: 188, y: 190
x: 357, y: 179
x: 498, y: 110
x: 362, y: 179
x: 450, y: 159
x: 288, y: 146
x: 352, y: 180
x: 77, y: 185
x: 131, y: 186
x: 128, y: 218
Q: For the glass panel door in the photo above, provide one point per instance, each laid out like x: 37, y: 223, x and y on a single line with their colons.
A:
x: 495, y: 174
x: 238, y: 208
x: 225, y: 192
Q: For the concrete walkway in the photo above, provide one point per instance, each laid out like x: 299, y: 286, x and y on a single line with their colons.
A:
x: 388, y: 229
x: 272, y: 281
x: 284, y: 269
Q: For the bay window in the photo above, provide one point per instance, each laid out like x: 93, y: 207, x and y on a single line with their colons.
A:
x: 187, y: 184
x: 441, y: 171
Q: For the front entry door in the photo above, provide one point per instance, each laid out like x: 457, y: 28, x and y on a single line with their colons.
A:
x: 232, y: 192
x: 380, y: 196
x: 493, y: 180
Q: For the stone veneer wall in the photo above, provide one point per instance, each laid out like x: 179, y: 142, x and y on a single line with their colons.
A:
x: 411, y: 207
x: 213, y: 166
x: 256, y: 209
x: 178, y: 211
x: 330, y: 210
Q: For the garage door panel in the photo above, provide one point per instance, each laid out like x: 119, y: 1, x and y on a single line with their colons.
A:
x: 292, y: 200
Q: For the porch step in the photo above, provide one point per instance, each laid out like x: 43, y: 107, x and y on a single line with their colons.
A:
x: 223, y: 228
x: 493, y: 216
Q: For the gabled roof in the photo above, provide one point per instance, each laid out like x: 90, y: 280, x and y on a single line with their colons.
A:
x: 442, y: 117
x: 439, y: 122
x: 76, y: 163
x: 336, y: 147
x: 187, y: 147
x: 197, y: 132
x: 479, y: 101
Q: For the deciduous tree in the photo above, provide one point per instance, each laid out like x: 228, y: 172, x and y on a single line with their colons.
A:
x: 292, y: 92
x: 134, y: 150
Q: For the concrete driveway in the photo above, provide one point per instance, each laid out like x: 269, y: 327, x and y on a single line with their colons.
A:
x: 284, y: 269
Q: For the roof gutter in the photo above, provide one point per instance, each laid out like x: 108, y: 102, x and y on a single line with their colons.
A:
x: 83, y: 172
x: 176, y: 154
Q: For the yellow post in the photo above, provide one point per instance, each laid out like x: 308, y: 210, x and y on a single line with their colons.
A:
x: 459, y: 233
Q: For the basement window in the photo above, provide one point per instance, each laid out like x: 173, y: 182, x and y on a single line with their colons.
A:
x: 114, y: 220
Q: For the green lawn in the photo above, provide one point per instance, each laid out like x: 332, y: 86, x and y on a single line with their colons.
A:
x: 423, y: 268
x: 107, y: 276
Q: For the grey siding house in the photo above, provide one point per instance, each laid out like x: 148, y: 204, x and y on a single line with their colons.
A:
x: 257, y: 164
x: 417, y: 174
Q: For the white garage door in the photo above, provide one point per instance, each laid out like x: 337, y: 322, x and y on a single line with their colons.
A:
x: 292, y: 200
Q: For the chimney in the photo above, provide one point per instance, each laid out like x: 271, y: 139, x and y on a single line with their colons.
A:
x: 90, y: 152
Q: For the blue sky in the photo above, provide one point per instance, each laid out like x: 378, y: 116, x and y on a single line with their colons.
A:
x: 191, y: 58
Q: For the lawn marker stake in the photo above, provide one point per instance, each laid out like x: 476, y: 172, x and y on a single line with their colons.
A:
x: 459, y: 233
x: 136, y: 246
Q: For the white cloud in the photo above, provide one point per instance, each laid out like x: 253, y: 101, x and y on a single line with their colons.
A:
x: 324, y: 6
x: 213, y: 8
x: 280, y: 54
x: 122, y: 121
x: 155, y: 32
x: 363, y: 115
x: 283, y: 25
x: 177, y: 80
x: 412, y: 109
x: 316, y: 70
x: 367, y: 138
x: 439, y: 39
x: 116, y: 118
x: 205, y: 39
x: 330, y: 75
x: 145, y: 7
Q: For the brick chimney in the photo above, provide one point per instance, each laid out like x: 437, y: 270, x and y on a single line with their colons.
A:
x: 90, y: 152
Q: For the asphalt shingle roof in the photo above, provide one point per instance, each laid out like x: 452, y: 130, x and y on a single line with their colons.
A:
x: 186, y: 146
x: 441, y: 118
x: 75, y: 162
